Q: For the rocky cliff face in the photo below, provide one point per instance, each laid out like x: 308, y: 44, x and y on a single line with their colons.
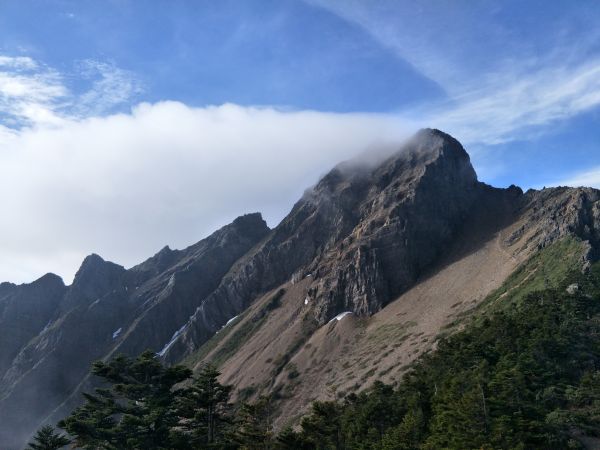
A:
x: 24, y: 313
x: 363, y: 233
x: 398, y: 253
x: 366, y: 239
x: 52, y: 333
x: 557, y: 212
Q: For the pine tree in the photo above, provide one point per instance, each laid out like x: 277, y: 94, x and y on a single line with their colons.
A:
x: 204, y: 410
x: 48, y: 439
x: 323, y: 427
x: 136, y: 411
x: 288, y: 439
x: 255, y: 430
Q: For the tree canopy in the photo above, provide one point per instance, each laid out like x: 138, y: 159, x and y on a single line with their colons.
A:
x: 523, y: 376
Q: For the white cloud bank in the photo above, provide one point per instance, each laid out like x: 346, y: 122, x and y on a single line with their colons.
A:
x: 73, y: 182
x: 127, y: 184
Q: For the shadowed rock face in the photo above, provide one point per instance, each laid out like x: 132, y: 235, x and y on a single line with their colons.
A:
x: 359, y: 238
x: 24, y: 312
x: 51, y: 333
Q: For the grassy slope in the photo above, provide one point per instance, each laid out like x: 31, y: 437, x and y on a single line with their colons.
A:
x: 231, y: 337
x: 548, y: 268
x: 523, y: 374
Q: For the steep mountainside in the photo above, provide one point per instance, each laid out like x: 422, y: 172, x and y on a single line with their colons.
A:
x: 364, y: 234
x: 361, y: 277
x: 420, y: 245
x: 55, y: 332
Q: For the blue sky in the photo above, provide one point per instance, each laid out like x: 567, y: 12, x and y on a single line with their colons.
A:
x: 128, y: 124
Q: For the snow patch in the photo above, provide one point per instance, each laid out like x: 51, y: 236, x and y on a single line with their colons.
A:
x: 117, y: 333
x: 230, y: 320
x: 306, y: 300
x: 47, y: 326
x: 172, y: 341
x: 340, y: 316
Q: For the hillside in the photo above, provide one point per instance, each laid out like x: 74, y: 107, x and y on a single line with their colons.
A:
x: 303, y: 351
x: 107, y: 310
x: 522, y: 374
x: 369, y: 270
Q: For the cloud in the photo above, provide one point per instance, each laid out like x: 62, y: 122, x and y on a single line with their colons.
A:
x: 110, y: 86
x: 520, y: 83
x: 76, y: 177
x: 29, y: 94
x: 18, y: 62
x: 514, y: 109
x: 590, y: 178
x: 33, y: 94
x: 124, y: 185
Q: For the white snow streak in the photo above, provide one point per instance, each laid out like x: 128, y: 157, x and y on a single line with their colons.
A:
x: 172, y: 341
x: 230, y: 320
x: 340, y: 316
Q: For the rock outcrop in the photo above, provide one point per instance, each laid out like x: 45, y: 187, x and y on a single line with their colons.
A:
x: 51, y: 333
x: 363, y: 233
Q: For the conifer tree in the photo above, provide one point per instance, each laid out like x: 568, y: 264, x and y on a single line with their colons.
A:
x: 255, y: 429
x: 135, y: 411
x: 204, y: 410
x: 48, y: 439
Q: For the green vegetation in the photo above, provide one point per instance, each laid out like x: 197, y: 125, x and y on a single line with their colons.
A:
x: 212, y: 343
x: 145, y: 405
x: 524, y: 374
x: 309, y: 325
x: 547, y: 268
x: 48, y: 439
x: 235, y: 341
x: 228, y: 341
x: 274, y: 302
x: 524, y: 377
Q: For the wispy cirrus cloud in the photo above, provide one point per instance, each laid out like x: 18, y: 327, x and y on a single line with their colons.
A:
x: 170, y: 173
x: 521, y: 81
x: 17, y: 62
x: 33, y: 94
x: 110, y: 86
x: 510, y: 108
x: 589, y: 178
x: 29, y: 94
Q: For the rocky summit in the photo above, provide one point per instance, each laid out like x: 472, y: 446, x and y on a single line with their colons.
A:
x: 356, y: 282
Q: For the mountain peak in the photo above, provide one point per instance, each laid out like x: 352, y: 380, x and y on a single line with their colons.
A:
x: 49, y: 279
x: 92, y: 260
x: 251, y: 219
x: 437, y: 144
x: 96, y: 275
